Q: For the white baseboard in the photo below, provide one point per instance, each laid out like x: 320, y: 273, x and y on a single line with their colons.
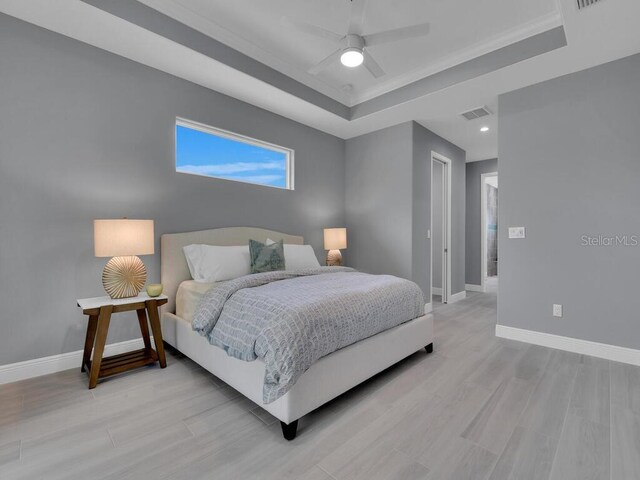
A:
x: 475, y: 288
x: 428, y: 308
x: 436, y: 291
x: 456, y: 297
x: 575, y: 345
x: 15, y: 372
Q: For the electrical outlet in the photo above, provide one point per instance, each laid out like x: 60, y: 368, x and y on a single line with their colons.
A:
x: 557, y: 310
x: 516, y: 232
x: 428, y: 233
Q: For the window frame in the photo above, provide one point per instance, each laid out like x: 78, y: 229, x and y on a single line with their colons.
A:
x: 237, y: 137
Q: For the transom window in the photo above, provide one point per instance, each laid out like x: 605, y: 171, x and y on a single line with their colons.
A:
x: 212, y: 152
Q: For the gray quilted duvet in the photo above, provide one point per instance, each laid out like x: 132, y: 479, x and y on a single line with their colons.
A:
x: 291, y: 319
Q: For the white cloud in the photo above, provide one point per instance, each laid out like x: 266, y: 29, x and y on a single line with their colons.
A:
x: 229, y: 168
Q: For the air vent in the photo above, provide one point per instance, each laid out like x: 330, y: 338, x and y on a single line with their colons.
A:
x: 586, y: 3
x: 476, y: 113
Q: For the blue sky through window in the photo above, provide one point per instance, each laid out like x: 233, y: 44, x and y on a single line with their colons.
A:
x: 207, y: 154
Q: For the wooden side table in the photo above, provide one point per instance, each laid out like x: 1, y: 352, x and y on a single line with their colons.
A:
x: 99, y: 310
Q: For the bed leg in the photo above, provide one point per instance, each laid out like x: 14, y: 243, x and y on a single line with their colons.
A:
x: 289, y: 431
x: 429, y: 348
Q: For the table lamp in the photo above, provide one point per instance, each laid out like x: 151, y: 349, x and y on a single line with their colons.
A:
x: 124, y: 275
x: 334, y: 240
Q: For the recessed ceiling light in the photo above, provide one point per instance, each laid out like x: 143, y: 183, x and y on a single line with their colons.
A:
x: 352, y: 57
x: 484, y: 129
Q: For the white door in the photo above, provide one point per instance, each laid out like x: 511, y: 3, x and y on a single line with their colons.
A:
x: 440, y: 226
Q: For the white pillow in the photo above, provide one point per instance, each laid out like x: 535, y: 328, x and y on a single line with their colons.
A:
x: 211, y: 263
x: 298, y: 257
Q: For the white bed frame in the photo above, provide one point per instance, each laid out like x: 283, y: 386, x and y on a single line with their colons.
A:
x: 326, y: 379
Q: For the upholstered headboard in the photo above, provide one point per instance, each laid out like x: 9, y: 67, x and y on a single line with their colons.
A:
x: 174, y: 269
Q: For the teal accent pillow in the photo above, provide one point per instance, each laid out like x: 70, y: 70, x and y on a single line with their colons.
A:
x: 266, y: 258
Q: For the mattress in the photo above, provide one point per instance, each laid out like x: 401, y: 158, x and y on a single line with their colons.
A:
x: 188, y: 298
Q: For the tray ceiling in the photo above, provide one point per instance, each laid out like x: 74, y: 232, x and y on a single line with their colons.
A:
x: 459, y: 32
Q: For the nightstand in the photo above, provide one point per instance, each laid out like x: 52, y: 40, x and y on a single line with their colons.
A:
x: 99, y: 310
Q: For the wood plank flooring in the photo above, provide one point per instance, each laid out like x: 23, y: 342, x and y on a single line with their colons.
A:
x: 477, y: 408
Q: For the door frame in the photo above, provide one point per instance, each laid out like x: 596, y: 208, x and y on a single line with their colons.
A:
x: 446, y: 231
x: 483, y: 227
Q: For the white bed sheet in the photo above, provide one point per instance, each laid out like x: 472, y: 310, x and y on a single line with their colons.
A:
x: 188, y: 298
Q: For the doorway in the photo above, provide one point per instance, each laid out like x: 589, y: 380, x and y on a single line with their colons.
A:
x: 440, y: 228
x: 489, y: 240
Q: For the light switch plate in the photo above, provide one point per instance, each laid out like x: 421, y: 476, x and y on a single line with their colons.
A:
x: 557, y: 310
x: 516, y: 232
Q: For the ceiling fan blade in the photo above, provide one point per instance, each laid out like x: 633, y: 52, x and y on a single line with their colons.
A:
x: 371, y: 65
x: 397, y: 34
x: 325, y: 63
x: 356, y: 17
x: 312, y: 29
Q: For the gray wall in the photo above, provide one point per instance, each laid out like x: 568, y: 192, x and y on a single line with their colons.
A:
x: 569, y: 166
x: 474, y: 218
x: 388, y: 205
x: 379, y: 201
x: 86, y: 134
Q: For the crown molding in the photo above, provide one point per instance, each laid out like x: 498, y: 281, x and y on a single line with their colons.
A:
x: 182, y: 13
x: 502, y: 40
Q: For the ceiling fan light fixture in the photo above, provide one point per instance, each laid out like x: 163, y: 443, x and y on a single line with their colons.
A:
x: 352, y: 57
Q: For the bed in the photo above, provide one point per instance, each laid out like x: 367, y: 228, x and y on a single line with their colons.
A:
x: 326, y: 379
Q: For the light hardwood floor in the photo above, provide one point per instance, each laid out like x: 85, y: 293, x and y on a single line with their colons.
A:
x: 477, y: 408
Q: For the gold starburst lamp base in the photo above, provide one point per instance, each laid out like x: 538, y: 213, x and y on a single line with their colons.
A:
x: 124, y: 277
x: 334, y: 258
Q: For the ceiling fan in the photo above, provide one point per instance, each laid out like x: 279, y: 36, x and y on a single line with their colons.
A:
x: 352, y: 50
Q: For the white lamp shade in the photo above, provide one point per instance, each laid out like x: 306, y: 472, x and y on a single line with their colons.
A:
x: 335, y: 238
x: 123, y: 237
